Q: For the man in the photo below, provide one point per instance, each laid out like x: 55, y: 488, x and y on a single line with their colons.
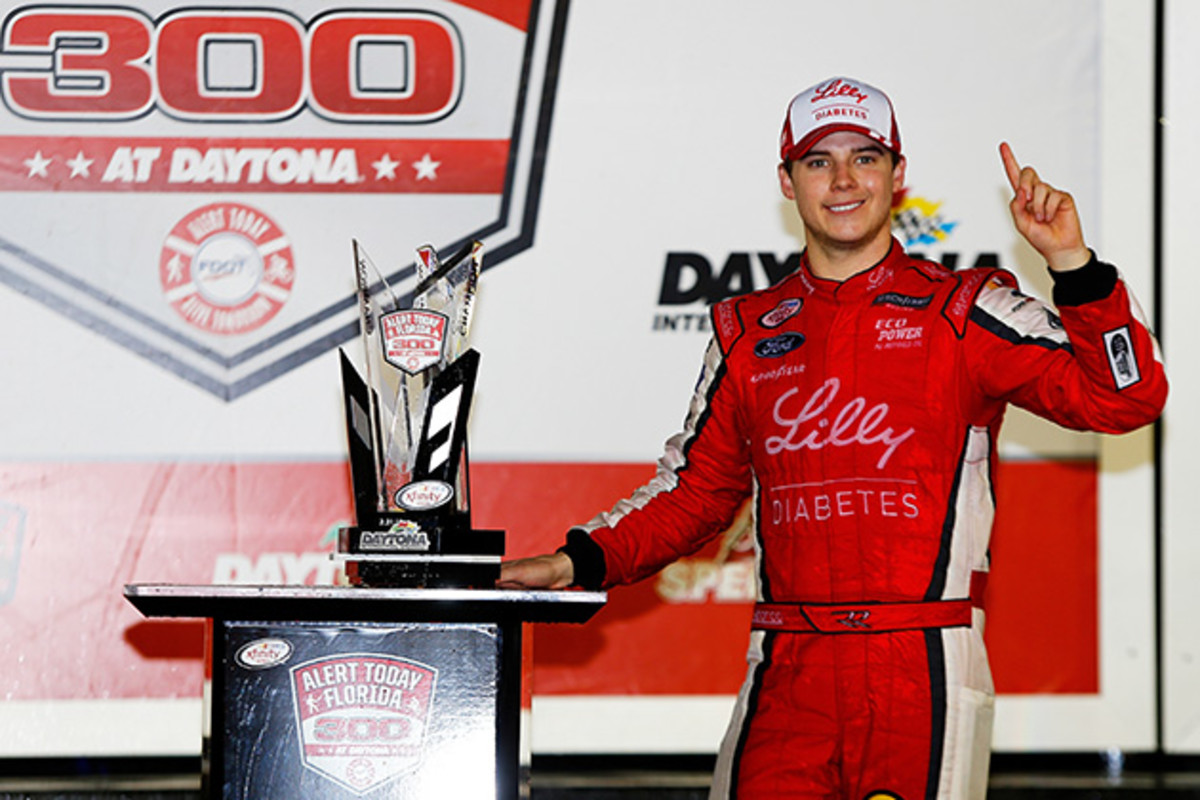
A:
x: 858, y: 403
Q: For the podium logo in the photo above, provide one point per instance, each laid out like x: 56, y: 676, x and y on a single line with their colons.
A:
x: 363, y: 719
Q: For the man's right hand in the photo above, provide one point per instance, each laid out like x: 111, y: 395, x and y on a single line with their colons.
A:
x: 550, y: 571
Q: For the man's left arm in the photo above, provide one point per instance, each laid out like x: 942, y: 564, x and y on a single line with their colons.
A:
x: 1106, y: 372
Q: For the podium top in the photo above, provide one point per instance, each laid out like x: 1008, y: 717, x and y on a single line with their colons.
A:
x: 362, y: 604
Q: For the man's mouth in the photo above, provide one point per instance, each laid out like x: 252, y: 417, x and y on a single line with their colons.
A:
x: 844, y: 207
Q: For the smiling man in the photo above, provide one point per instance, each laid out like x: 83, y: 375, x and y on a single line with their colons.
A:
x: 841, y: 166
x: 858, y: 402
x: 843, y: 190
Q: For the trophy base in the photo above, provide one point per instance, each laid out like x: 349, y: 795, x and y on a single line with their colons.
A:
x: 421, y: 572
x: 394, y: 535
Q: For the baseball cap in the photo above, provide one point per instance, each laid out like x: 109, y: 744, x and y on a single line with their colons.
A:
x: 838, y: 104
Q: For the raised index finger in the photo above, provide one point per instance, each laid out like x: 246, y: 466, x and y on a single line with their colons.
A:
x: 1010, y: 165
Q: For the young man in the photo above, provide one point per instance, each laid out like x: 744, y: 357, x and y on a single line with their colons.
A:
x: 858, y: 403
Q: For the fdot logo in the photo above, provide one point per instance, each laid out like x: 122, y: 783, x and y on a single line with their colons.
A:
x: 227, y: 268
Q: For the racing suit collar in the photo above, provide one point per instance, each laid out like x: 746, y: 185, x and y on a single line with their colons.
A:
x: 859, y: 285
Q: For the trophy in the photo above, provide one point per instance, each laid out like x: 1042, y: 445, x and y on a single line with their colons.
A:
x: 407, y: 431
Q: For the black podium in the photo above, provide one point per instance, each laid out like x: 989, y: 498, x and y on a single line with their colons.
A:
x: 353, y: 692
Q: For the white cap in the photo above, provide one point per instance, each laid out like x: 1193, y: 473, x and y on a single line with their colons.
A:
x: 838, y: 104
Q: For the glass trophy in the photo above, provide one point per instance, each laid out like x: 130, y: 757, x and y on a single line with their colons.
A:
x: 406, y: 426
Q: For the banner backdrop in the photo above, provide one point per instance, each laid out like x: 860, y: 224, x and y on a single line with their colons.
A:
x: 181, y: 186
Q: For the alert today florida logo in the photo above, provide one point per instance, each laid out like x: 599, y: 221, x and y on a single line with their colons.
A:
x: 363, y: 719
x: 212, y: 165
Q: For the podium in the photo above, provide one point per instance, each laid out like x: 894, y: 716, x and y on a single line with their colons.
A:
x: 348, y: 692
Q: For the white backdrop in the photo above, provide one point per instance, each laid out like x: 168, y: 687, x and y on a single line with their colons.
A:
x: 663, y: 140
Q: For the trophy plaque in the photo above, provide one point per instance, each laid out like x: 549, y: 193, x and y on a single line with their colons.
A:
x: 406, y: 425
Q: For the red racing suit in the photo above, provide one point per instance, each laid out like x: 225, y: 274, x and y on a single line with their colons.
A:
x: 862, y: 418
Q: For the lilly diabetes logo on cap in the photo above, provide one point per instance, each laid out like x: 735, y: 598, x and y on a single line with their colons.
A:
x: 838, y: 104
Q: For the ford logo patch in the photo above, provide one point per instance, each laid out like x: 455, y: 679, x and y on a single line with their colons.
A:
x: 779, y: 345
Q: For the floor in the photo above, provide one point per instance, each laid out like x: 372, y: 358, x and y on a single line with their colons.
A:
x: 1096, y: 777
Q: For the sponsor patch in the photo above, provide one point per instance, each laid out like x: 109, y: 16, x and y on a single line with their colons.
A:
x: 795, y: 505
x: 781, y: 313
x: 264, y: 653
x: 897, y: 332
x: 856, y: 620
x: 1118, y: 345
x: 784, y: 371
x: 363, y: 719
x: 726, y: 322
x: 778, y: 346
x: 767, y: 618
x: 879, y: 277
x: 815, y: 424
x: 902, y: 300
x: 1021, y: 299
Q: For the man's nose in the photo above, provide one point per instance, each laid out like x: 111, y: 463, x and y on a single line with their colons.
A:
x: 843, y: 174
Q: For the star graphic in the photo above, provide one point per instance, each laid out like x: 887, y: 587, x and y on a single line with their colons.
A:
x: 427, y: 168
x: 385, y: 168
x: 37, y: 165
x: 80, y: 165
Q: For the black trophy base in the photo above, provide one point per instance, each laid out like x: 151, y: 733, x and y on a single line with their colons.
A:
x: 408, y: 555
x: 381, y: 572
x: 422, y: 537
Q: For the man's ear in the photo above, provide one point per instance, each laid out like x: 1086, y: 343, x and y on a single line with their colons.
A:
x: 898, y: 173
x: 785, y: 183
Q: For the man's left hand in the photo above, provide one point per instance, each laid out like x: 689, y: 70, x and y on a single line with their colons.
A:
x: 1045, y: 216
